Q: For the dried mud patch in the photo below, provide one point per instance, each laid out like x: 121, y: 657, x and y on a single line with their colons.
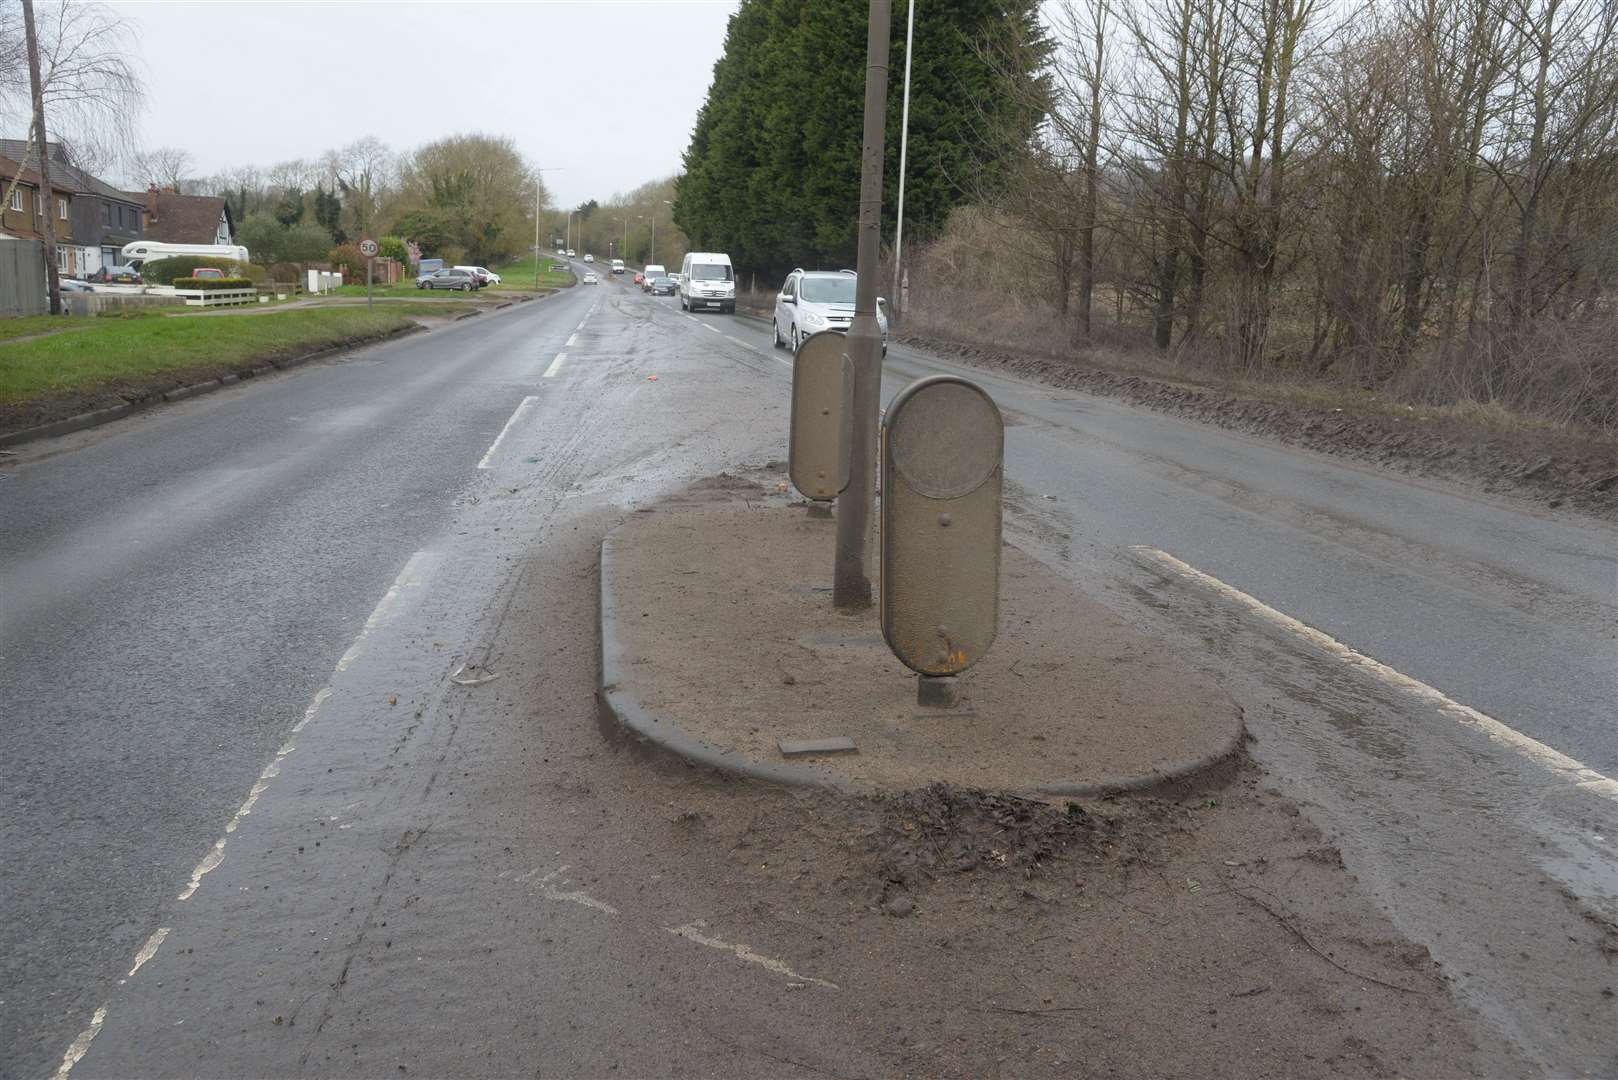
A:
x: 1546, y: 466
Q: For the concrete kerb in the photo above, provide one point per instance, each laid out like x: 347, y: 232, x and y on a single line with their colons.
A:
x: 622, y: 705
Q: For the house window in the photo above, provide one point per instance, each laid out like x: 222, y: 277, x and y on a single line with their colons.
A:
x: 16, y: 198
x: 61, y: 209
x: 106, y: 213
x: 61, y: 259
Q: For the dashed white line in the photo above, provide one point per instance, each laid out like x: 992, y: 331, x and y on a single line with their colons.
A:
x: 693, y: 932
x: 518, y: 411
x: 1575, y: 772
x: 148, y: 950
x: 81, y: 1045
x: 571, y: 338
x: 556, y: 365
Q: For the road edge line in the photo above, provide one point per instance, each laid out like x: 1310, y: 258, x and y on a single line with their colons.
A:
x: 1580, y: 775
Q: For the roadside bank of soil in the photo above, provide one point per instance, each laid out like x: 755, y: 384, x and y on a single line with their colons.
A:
x: 1556, y: 469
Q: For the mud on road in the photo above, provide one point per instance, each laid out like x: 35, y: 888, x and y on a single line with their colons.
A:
x: 1540, y: 464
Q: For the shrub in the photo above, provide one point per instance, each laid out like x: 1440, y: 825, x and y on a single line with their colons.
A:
x: 213, y: 283
x: 347, y: 258
x: 290, y: 273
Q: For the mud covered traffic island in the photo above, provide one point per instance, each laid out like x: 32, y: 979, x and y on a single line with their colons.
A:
x: 924, y: 891
x: 720, y: 643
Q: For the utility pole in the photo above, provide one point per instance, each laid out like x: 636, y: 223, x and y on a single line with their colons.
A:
x: 538, y: 188
x: 47, y: 194
x: 897, y: 296
x: 851, y: 584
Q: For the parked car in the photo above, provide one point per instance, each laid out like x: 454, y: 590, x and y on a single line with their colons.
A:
x: 650, y: 272
x: 707, y: 280
x: 207, y: 272
x: 74, y: 285
x: 115, y: 275
x: 480, y: 275
x: 589, y: 258
x: 662, y: 285
x: 812, y: 301
x: 589, y: 279
x: 447, y: 278
x: 640, y: 278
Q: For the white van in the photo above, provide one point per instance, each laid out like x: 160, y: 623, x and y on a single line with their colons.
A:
x: 144, y: 251
x: 707, y: 280
x: 617, y: 266
x: 648, y: 272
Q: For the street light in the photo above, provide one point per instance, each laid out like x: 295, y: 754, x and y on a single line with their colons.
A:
x: 538, y: 187
x: 904, y: 144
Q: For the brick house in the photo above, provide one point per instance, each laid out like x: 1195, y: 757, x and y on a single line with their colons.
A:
x: 101, y: 219
x: 21, y: 211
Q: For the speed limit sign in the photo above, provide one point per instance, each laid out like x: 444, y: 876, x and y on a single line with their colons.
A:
x: 368, y: 248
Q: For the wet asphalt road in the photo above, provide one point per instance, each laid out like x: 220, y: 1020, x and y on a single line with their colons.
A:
x: 179, y: 589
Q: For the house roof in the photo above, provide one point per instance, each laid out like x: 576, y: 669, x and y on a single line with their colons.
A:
x: 181, y: 219
x: 9, y: 170
x: 65, y: 176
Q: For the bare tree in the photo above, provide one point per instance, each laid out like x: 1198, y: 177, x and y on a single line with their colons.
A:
x: 89, y: 89
x: 166, y: 167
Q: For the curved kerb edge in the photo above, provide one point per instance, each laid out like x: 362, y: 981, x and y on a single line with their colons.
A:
x: 628, y: 711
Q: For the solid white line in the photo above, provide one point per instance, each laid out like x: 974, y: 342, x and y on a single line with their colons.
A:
x: 81, y: 1044
x: 571, y: 338
x: 556, y: 365
x: 1575, y: 772
x: 498, y: 439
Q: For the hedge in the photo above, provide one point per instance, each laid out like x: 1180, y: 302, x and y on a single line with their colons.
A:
x: 213, y: 283
x: 167, y: 271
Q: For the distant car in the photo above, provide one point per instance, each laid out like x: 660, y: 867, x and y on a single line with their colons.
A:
x: 73, y: 285
x: 589, y: 258
x: 590, y: 279
x: 115, y: 275
x: 662, y: 285
x: 447, y: 278
x: 207, y: 272
x: 654, y: 270
x: 570, y: 253
x: 640, y: 278
x: 812, y: 301
x: 676, y: 279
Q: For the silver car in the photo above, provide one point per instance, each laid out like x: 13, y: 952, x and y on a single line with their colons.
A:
x: 814, y: 300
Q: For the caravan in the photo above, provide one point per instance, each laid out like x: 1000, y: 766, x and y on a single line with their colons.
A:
x: 145, y: 251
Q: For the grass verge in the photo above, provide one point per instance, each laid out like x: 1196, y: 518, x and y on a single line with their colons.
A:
x: 519, y: 276
x: 117, y: 355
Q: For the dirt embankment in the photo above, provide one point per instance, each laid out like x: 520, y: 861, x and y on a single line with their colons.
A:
x: 1541, y: 464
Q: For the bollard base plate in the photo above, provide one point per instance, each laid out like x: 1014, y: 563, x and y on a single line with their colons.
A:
x: 937, y: 692
x: 820, y: 510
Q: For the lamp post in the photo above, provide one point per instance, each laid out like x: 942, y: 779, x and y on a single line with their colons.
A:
x: 904, y: 145
x: 538, y: 189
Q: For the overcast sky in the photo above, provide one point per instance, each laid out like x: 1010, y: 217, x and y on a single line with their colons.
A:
x: 604, y: 91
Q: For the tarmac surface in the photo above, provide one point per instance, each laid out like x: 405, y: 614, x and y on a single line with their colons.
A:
x: 251, y: 749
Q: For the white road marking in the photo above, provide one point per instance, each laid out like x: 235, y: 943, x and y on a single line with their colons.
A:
x: 576, y: 896
x: 1575, y: 772
x: 693, y: 932
x: 408, y: 577
x: 556, y: 365
x: 518, y: 411
x: 571, y: 338
x: 81, y: 1044
x: 710, y: 326
x: 148, y: 950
